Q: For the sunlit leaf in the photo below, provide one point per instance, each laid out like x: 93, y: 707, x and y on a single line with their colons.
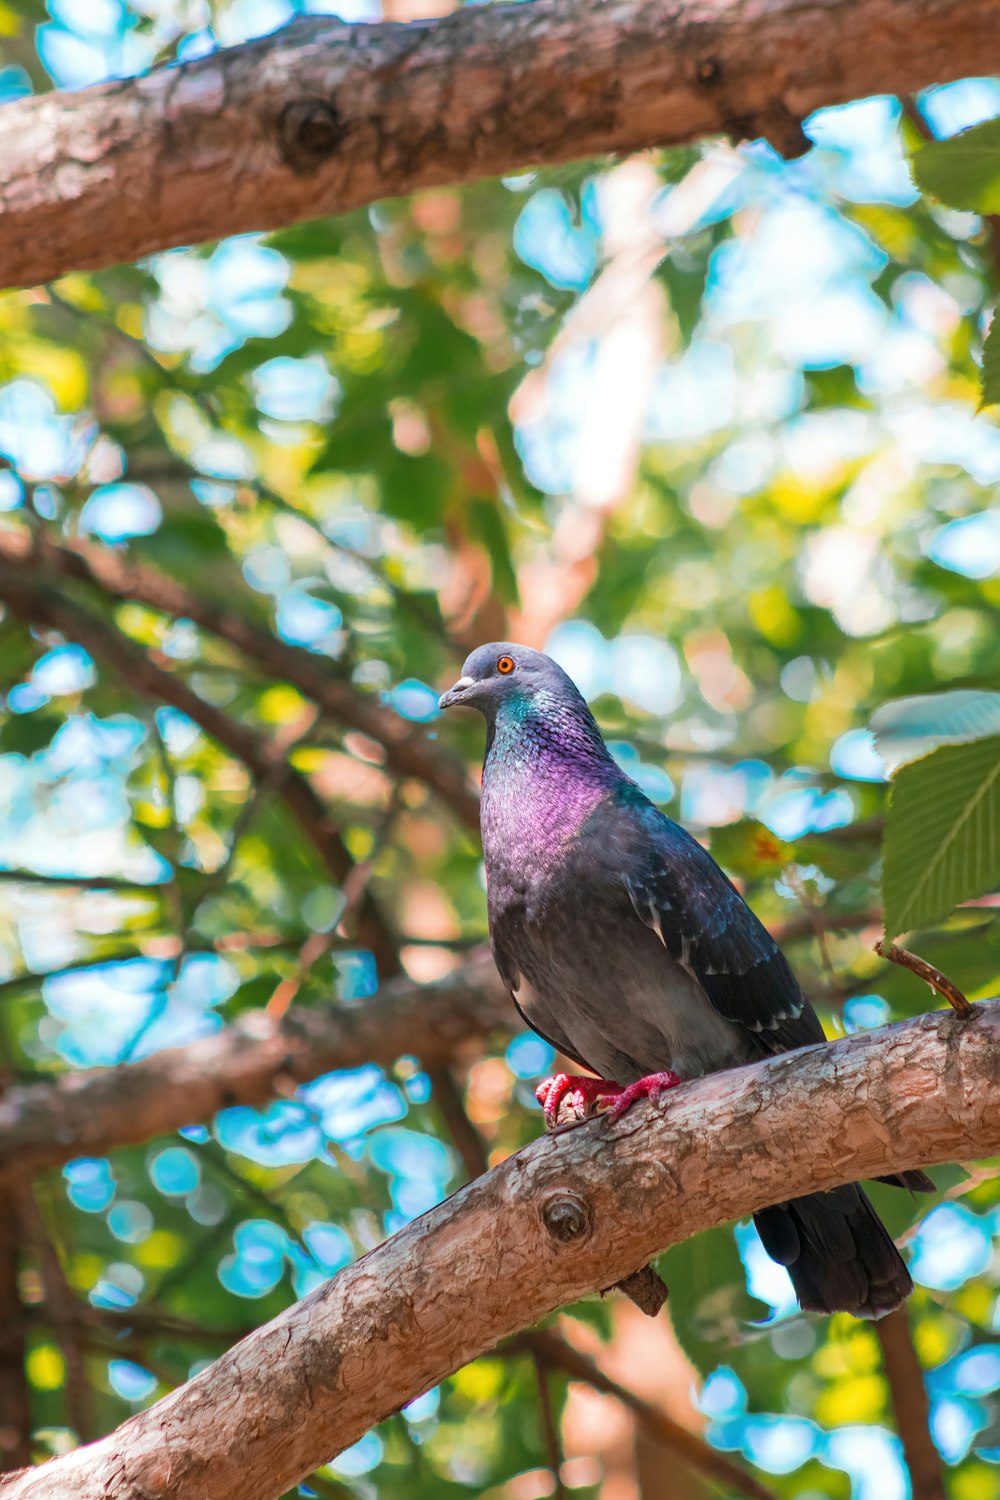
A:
x: 942, y: 840
x: 964, y: 171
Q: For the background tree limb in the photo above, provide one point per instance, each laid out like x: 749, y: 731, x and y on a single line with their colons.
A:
x: 266, y: 759
x: 326, y: 117
x: 45, y: 1124
x: 408, y: 751
x: 911, y: 1407
x: 568, y: 1215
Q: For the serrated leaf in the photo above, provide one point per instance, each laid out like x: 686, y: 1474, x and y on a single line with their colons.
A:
x: 964, y: 172
x: 942, y: 837
x: 909, y: 728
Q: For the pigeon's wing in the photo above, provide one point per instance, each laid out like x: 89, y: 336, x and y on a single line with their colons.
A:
x: 680, y: 892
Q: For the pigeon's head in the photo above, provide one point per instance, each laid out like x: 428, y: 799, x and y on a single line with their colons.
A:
x: 501, y: 673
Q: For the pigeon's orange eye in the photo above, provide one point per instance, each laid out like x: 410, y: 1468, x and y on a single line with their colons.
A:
x: 505, y: 664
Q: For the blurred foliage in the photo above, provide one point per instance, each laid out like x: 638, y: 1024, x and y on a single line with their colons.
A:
x: 964, y: 172
x: 702, y: 423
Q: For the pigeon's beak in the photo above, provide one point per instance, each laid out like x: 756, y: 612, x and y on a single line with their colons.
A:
x: 456, y: 693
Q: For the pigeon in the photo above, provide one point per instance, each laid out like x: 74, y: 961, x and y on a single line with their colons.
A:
x: 623, y: 944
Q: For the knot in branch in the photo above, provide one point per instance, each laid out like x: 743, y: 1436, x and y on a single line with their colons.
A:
x: 309, y: 131
x: 567, y: 1218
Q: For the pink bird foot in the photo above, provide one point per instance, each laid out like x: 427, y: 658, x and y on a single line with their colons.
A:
x: 650, y: 1087
x: 577, y: 1097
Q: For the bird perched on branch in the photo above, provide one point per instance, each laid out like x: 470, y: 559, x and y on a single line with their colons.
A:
x: 623, y: 944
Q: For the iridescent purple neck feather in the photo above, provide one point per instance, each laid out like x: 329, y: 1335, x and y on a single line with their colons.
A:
x: 546, y: 768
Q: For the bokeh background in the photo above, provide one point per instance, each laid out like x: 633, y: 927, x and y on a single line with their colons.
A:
x: 701, y: 423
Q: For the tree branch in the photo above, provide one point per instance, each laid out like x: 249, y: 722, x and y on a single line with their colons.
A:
x: 38, y: 604
x: 567, y: 1215
x: 15, y: 1394
x: 89, y: 1113
x: 554, y: 1352
x: 408, y: 752
x: 327, y: 117
x: 911, y: 1406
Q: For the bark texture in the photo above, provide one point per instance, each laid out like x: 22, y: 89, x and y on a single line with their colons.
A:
x: 325, y: 117
x: 571, y: 1213
x: 258, y: 1056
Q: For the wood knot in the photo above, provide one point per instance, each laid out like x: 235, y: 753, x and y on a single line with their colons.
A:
x: 567, y: 1218
x: 309, y: 131
x: 708, y: 70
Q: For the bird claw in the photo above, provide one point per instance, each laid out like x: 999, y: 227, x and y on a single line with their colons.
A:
x: 571, y: 1097
x: 650, y: 1087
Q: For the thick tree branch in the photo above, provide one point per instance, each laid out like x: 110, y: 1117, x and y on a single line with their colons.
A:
x: 408, y: 752
x: 569, y: 1214
x: 89, y: 1113
x: 326, y: 117
x: 265, y: 760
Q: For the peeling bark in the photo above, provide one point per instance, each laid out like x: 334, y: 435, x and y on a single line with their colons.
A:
x: 571, y: 1213
x: 326, y: 117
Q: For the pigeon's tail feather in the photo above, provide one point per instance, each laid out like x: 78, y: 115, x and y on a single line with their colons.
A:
x: 839, y: 1254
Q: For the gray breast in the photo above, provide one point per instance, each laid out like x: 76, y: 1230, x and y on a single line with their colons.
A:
x: 607, y: 992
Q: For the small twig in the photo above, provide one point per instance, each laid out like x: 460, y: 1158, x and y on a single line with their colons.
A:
x: 550, y: 1429
x: 15, y: 1389
x: 467, y: 1140
x: 814, y: 916
x: 313, y: 949
x: 939, y: 983
x: 86, y: 882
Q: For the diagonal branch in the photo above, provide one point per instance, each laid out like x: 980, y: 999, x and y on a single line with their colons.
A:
x: 554, y: 1222
x: 408, y: 752
x: 89, y: 1113
x: 554, y: 1352
x: 327, y: 117
x: 41, y: 605
x: 92, y: 1112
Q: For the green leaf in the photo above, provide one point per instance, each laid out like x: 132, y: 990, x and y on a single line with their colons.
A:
x: 942, y: 837
x: 963, y: 172
x: 23, y: 734
x: 909, y: 728
x: 991, y: 366
x: 749, y: 849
